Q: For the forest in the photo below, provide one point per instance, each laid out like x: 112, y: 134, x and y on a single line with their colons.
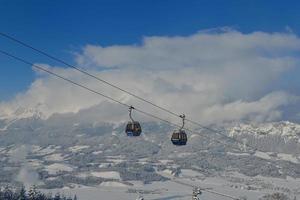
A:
x: 10, y: 193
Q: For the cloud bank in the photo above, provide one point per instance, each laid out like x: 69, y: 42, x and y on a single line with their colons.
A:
x: 212, y: 77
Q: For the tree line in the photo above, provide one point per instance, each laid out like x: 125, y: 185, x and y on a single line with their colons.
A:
x: 9, y: 193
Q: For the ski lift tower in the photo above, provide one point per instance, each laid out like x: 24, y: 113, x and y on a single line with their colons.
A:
x: 196, y: 192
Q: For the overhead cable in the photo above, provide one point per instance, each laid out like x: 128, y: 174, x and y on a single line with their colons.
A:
x: 101, y: 94
x: 121, y: 89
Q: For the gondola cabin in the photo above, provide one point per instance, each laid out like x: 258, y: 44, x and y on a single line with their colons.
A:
x: 133, y: 128
x: 179, y: 138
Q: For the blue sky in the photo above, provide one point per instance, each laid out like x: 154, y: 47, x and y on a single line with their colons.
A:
x: 97, y: 30
x: 61, y: 27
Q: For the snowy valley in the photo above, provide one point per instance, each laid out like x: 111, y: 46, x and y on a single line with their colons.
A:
x: 93, y: 159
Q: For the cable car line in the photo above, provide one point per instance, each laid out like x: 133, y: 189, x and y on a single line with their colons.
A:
x: 85, y: 72
x: 61, y: 77
x: 116, y: 101
x: 207, y: 190
x: 226, y: 136
x: 107, y: 97
x: 121, y: 89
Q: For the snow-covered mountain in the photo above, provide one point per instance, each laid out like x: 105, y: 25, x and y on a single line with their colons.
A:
x: 284, y: 129
x: 278, y: 137
x: 23, y: 113
x: 282, y: 137
x: 77, y: 148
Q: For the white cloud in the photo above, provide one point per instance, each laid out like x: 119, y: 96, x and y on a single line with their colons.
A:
x: 210, y: 76
x: 264, y: 109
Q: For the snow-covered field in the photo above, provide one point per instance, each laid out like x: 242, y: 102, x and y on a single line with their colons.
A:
x: 99, y: 165
x: 54, y: 157
x: 232, y: 184
x: 155, y: 191
x: 112, y: 184
x: 78, y: 148
x: 48, y: 150
x: 288, y: 157
x: 279, y: 156
x: 58, y: 167
x: 107, y: 175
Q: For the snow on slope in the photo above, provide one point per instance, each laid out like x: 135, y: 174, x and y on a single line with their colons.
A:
x: 107, y: 175
x: 23, y: 113
x: 112, y: 184
x: 278, y: 137
x: 262, y: 155
x: 78, y: 148
x: 9, y: 123
x: 288, y: 157
x: 45, y: 151
x: 177, y: 190
x: 58, y: 167
x: 285, y: 129
x: 54, y: 157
